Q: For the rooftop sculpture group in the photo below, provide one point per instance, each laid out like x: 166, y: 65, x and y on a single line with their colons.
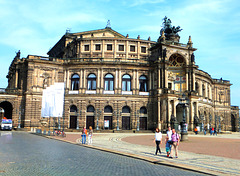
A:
x: 168, y: 28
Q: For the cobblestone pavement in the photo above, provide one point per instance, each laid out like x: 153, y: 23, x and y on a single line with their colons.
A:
x: 23, y: 154
x: 115, y: 142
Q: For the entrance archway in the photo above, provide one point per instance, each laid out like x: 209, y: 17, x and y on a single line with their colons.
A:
x: 179, y: 115
x: 73, y: 117
x: 126, y: 118
x: 90, y: 117
x: 108, y: 117
x: 7, y: 109
x: 233, y: 123
x: 143, y: 118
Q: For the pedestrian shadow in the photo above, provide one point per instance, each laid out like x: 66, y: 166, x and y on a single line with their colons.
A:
x: 163, y: 155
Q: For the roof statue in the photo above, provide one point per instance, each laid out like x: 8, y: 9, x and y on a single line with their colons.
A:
x: 18, y: 54
x: 171, y: 32
x: 168, y: 28
x: 108, y: 24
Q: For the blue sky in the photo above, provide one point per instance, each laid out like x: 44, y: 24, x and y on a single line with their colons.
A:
x: 33, y: 26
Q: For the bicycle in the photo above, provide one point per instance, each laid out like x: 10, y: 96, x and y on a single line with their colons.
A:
x: 60, y: 133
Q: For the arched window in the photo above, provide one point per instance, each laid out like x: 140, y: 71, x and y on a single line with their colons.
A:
x: 143, y: 86
x: 126, y: 83
x: 109, y: 82
x: 73, y: 108
x: 176, y: 60
x: 75, y: 82
x: 90, y: 108
x: 143, y: 110
x: 126, y: 109
x: 91, y: 82
x: 108, y: 109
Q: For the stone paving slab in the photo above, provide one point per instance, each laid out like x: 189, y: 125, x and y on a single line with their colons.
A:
x: 114, y: 142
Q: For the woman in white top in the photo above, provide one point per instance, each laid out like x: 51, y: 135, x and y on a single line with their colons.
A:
x: 158, y: 140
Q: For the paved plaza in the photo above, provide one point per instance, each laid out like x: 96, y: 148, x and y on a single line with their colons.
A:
x: 217, y: 155
x: 24, y: 154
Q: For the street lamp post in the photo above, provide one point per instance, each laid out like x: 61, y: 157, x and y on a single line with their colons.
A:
x: 210, y: 120
x: 117, y: 120
x: 219, y: 128
x: 59, y: 126
x: 98, y: 115
x: 184, y: 133
x: 137, y: 120
x: 19, y: 117
x: 78, y: 116
x: 201, y: 117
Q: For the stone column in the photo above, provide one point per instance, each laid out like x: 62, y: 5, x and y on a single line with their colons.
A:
x: 137, y: 83
x: 98, y: 86
x: 115, y: 49
x: 166, y: 78
x: 200, y: 88
x: 159, y: 114
x: 102, y: 82
x: 187, y: 81
x: 120, y: 82
x: 84, y: 80
x: 194, y: 80
x: 116, y: 82
x: 133, y: 82
x: 138, y: 49
x: 81, y: 81
x: 126, y: 49
x: 67, y: 82
x: 103, y: 48
x: 159, y: 78
x: 91, y: 48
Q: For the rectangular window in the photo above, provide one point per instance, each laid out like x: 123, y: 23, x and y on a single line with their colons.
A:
x: 143, y: 49
x: 111, y: 85
x: 120, y: 47
x: 94, y: 85
x: 124, y: 86
x: 170, y: 86
x: 132, y: 48
x: 106, y: 85
x: 109, y: 47
x: 97, y: 47
x: 86, y: 47
x: 128, y: 86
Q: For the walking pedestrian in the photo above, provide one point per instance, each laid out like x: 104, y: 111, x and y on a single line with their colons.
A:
x: 158, y: 140
x: 175, y: 140
x: 196, y: 130
x: 212, y: 131
x: 215, y: 132
x: 205, y: 130
x: 90, y: 134
x: 84, y: 134
x: 168, y: 141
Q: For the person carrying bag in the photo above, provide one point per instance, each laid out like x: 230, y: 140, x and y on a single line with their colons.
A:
x: 176, y: 140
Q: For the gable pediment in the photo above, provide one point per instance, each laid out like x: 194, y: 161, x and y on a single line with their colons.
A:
x: 107, y: 32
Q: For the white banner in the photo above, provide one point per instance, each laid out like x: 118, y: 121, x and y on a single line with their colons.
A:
x: 52, y: 100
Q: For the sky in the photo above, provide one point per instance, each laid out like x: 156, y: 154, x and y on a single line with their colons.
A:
x: 34, y: 26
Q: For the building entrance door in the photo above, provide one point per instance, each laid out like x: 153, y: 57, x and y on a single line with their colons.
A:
x: 233, y: 123
x: 73, y: 122
x: 125, y: 123
x: 90, y: 122
x: 108, y: 122
x: 143, y: 123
